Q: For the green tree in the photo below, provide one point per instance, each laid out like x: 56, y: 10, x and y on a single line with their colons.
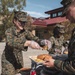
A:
x: 5, y: 5
x: 6, y: 11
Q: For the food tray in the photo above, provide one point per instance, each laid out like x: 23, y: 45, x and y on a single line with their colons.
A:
x: 35, y: 59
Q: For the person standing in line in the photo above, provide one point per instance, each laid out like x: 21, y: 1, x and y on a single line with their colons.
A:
x: 67, y: 66
x: 57, y: 40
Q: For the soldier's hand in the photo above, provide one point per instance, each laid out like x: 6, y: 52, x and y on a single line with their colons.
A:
x: 48, y: 43
x: 45, y: 43
x: 41, y: 43
x: 34, y: 45
x: 49, y: 62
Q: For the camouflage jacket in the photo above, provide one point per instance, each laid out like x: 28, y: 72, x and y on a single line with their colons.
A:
x: 15, y: 44
x: 68, y: 65
x: 56, y: 43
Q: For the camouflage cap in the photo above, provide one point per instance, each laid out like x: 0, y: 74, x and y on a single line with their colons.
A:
x: 66, y: 4
x: 60, y: 28
x: 21, y: 16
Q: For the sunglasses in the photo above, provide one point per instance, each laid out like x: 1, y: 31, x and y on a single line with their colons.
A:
x: 22, y: 23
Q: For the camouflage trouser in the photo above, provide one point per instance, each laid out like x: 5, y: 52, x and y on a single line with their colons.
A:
x: 8, y: 68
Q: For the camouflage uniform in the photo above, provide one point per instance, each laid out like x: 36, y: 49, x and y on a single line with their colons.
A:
x: 57, y: 42
x: 68, y: 65
x: 12, y: 59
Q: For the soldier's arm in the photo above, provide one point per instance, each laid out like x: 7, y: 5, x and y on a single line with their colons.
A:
x: 52, y: 44
x: 52, y: 40
x: 30, y: 36
x: 20, y: 43
x: 65, y: 66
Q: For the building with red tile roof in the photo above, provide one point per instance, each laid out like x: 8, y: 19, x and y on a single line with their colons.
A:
x: 55, y: 17
x: 48, y: 24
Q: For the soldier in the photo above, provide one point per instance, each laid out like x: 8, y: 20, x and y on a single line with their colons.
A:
x: 17, y: 40
x: 57, y: 40
x: 68, y: 65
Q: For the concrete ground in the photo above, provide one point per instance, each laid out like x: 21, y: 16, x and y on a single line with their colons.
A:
x: 30, y: 52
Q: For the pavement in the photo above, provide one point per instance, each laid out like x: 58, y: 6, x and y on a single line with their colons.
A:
x: 30, y: 52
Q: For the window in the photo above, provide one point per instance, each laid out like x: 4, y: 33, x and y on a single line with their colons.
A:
x: 59, y: 13
x: 54, y: 15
